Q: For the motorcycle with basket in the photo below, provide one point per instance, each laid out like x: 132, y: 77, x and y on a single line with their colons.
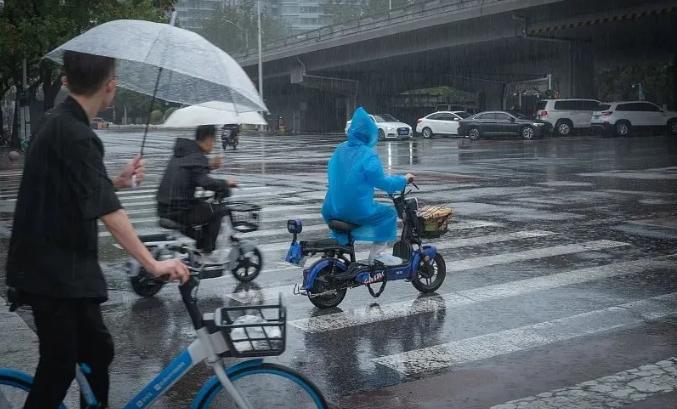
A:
x: 326, y: 281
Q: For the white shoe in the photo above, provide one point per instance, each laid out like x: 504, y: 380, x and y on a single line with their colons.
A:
x: 389, y: 260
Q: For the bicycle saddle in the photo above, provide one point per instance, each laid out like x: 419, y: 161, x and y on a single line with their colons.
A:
x: 341, y: 226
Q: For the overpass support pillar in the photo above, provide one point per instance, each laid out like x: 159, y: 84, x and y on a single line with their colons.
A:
x: 575, y: 72
x: 343, y: 92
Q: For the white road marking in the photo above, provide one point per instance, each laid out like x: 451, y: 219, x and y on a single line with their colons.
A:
x: 531, y: 336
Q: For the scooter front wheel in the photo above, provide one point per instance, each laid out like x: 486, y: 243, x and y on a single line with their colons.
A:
x: 249, y: 265
x: 430, y: 275
x: 321, y: 294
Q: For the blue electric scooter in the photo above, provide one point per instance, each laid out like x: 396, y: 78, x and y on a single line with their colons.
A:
x: 327, y: 280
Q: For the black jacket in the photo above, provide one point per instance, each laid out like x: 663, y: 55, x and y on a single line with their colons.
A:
x: 187, y: 169
x: 64, y: 190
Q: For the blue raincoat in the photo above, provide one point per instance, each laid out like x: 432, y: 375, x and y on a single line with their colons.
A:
x: 354, y: 171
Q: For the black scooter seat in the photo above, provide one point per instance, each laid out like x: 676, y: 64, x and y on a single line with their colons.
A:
x: 170, y: 224
x: 341, y: 226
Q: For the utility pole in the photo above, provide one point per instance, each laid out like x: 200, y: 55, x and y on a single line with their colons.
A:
x: 24, y: 108
x: 258, y: 13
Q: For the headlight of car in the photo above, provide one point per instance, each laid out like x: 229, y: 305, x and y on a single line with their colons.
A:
x: 538, y: 124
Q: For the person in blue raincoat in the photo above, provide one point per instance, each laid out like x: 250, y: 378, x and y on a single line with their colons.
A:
x: 354, y: 171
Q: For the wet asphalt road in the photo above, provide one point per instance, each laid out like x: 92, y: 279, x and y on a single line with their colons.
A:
x: 560, y: 290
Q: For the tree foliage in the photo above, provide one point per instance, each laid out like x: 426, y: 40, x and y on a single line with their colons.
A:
x: 233, y: 28
x: 31, y: 28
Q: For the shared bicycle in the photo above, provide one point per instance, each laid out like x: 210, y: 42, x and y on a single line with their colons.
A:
x: 246, y: 331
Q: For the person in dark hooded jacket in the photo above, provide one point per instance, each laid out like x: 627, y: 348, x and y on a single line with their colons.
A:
x: 188, y: 169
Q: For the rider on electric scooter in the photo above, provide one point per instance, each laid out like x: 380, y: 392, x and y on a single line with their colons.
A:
x: 354, y: 171
x: 187, y: 169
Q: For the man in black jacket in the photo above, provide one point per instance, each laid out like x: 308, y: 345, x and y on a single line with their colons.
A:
x: 53, y: 252
x: 187, y: 169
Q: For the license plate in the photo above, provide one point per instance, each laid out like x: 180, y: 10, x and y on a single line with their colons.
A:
x: 403, y: 131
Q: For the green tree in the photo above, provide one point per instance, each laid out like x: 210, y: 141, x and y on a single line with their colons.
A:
x: 234, y: 28
x: 31, y: 28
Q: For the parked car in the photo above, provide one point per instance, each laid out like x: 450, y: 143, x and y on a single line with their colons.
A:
x: 565, y: 115
x: 389, y: 127
x: 440, y: 123
x: 620, y: 118
x: 99, y: 123
x: 501, y: 123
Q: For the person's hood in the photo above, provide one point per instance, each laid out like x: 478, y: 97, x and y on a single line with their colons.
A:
x: 363, y: 130
x: 185, y: 147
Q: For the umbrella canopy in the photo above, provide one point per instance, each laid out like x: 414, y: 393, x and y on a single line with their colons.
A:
x: 193, y: 69
x: 213, y: 112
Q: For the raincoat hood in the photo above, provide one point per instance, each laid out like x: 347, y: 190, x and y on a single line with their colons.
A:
x: 363, y: 130
x: 185, y: 147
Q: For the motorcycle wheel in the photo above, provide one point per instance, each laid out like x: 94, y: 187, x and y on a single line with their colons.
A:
x: 429, y: 276
x: 249, y: 265
x: 320, y: 285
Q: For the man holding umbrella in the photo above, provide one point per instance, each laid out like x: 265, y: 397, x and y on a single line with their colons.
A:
x: 53, y: 255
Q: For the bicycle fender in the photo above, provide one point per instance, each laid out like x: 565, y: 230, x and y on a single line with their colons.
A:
x: 430, y: 251
x: 247, y: 245
x: 317, y: 267
x: 207, y: 387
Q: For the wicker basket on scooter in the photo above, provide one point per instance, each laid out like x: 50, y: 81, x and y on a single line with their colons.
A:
x: 246, y: 217
x: 433, y: 221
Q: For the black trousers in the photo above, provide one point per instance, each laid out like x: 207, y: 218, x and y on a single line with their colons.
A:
x: 70, y: 331
x: 206, y: 215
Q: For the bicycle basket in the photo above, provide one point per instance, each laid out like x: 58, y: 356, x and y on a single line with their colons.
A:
x: 245, y: 217
x: 254, y: 330
x: 432, y: 221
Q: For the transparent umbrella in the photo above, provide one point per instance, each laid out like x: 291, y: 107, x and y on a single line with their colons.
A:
x: 213, y: 112
x: 193, y: 69
x: 167, y: 62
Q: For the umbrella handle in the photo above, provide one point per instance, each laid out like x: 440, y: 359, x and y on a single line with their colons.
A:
x: 135, y: 183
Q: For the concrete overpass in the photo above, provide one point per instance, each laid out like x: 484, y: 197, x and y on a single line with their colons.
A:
x: 315, y: 79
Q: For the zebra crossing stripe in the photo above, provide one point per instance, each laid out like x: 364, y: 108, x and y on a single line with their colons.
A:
x: 530, y: 336
x: 613, y: 391
x: 355, y: 317
x: 505, y: 258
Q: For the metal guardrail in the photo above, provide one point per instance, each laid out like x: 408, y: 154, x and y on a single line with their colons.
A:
x: 408, y: 14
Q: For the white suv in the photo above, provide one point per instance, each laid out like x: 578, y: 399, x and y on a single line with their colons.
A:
x: 565, y: 115
x: 621, y: 118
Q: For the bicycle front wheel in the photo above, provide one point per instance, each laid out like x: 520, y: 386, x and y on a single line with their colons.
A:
x: 263, y: 385
x: 14, y: 388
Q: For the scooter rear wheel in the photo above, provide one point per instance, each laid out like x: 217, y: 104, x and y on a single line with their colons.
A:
x: 321, y: 285
x: 430, y: 275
